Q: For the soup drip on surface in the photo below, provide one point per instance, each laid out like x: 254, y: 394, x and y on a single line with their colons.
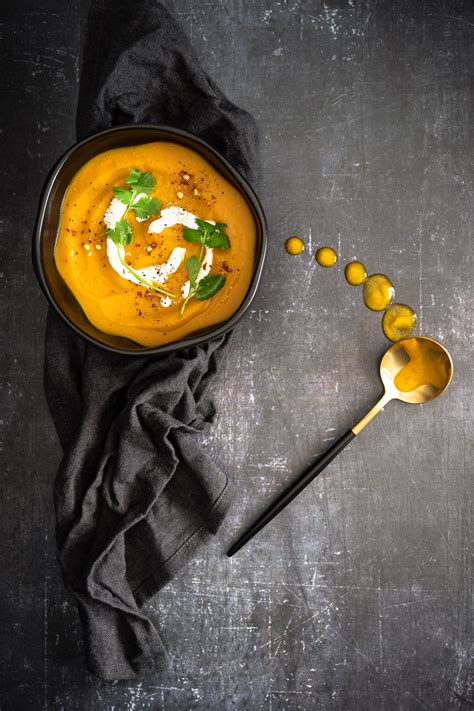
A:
x: 294, y: 245
x: 398, y: 322
x: 378, y: 292
x: 326, y: 257
x: 355, y: 273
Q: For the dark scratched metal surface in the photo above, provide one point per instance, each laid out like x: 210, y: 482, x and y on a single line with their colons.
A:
x: 359, y: 595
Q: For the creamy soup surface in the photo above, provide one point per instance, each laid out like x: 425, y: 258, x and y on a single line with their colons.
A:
x: 112, y: 297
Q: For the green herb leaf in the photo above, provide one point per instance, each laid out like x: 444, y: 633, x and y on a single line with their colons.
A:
x: 217, y: 240
x: 209, y: 285
x: 193, y: 266
x: 205, y: 226
x: 124, y: 195
x: 191, y: 235
x: 213, y: 237
x: 208, y: 235
x: 141, y: 182
x: 121, y: 234
x: 145, y: 207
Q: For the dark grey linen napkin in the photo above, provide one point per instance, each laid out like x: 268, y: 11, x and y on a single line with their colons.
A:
x: 136, y: 493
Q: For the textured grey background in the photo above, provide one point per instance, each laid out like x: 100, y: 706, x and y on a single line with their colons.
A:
x: 359, y: 595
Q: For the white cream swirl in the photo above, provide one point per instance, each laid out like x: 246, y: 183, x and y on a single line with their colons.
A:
x: 159, y: 273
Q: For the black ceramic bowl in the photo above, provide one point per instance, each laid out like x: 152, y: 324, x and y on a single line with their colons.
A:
x: 47, y: 225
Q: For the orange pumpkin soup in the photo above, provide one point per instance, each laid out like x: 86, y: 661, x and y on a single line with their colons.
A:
x: 183, y: 268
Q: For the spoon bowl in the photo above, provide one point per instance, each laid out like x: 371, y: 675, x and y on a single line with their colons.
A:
x: 414, y: 370
x: 430, y: 378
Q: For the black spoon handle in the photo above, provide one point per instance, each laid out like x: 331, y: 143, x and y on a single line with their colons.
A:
x: 293, y: 491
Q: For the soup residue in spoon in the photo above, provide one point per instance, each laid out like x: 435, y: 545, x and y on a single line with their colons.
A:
x: 428, y: 365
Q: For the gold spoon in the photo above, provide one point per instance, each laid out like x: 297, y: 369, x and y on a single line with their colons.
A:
x: 392, y: 364
x: 414, y: 370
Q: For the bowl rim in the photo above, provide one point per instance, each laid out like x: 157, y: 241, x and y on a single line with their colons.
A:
x: 200, y: 338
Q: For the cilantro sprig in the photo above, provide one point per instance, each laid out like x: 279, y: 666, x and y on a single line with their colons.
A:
x: 137, y: 199
x: 141, y: 184
x: 208, y: 235
x: 213, y: 237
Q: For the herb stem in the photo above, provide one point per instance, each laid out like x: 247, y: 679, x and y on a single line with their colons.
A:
x: 145, y: 282
x: 185, y: 302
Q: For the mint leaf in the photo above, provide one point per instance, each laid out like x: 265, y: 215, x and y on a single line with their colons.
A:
x: 141, y: 182
x: 121, y: 234
x: 124, y: 195
x: 193, y: 266
x: 209, y: 285
x: 191, y: 235
x: 217, y: 240
x: 146, y: 207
